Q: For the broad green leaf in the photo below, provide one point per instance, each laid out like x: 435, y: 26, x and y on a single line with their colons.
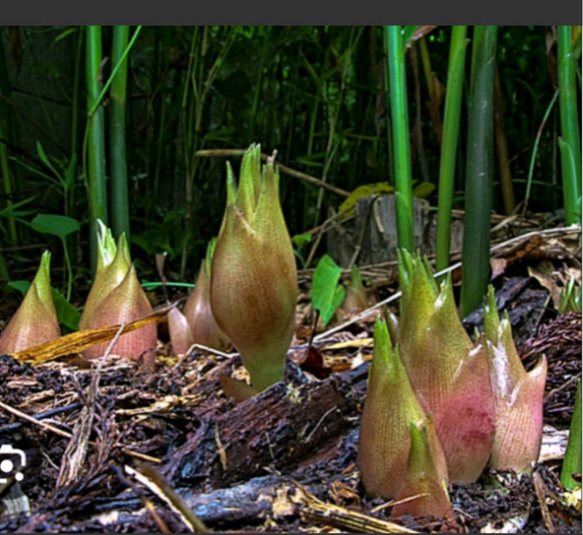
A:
x: 58, y: 225
x: 326, y: 294
x: 19, y: 286
x: 67, y: 314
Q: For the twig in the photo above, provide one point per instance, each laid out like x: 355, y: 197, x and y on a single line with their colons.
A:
x: 65, y: 434
x: 210, y: 153
x: 319, y: 423
x: 41, y: 416
x: 76, y: 451
x: 147, y: 502
x: 541, y: 494
x: 153, y: 481
x: 316, y: 511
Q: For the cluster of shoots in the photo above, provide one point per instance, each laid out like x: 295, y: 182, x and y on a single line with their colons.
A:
x: 245, y: 293
x: 440, y: 408
x: 196, y: 324
x: 116, y: 298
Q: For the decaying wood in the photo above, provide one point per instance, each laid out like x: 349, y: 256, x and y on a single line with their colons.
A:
x: 270, y: 497
x: 373, y: 233
x: 279, y: 428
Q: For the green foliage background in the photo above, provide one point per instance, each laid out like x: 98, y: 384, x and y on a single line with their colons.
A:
x: 316, y: 94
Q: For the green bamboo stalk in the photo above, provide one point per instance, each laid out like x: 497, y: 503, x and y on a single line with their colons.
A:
x: 479, y: 170
x: 451, y: 127
x: 95, y: 138
x: 571, y: 156
x: 572, y: 460
x: 120, y: 218
x: 402, y: 150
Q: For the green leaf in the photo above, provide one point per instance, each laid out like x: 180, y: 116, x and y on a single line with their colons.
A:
x: 20, y: 286
x: 67, y: 314
x: 366, y: 190
x: 57, y: 225
x: 301, y: 239
x: 65, y: 34
x: 407, y: 32
x: 10, y: 211
x: 327, y: 296
x: 41, y: 154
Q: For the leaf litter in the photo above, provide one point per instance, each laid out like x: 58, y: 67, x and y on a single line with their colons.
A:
x: 120, y: 447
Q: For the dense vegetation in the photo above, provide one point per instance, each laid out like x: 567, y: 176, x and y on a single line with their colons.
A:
x: 318, y: 95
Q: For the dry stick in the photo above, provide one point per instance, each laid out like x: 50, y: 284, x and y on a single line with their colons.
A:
x: 153, y: 481
x: 65, y: 434
x: 315, y: 511
x: 42, y: 416
x: 210, y: 153
x: 395, y: 296
x: 150, y: 507
x: 76, y: 451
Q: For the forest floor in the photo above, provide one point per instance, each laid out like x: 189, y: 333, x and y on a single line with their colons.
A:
x: 120, y: 447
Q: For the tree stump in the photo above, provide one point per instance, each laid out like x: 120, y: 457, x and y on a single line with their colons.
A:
x: 371, y: 237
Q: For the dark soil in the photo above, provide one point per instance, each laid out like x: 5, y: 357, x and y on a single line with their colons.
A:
x: 261, y: 465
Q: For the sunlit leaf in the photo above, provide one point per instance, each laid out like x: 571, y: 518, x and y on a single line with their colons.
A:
x: 326, y: 294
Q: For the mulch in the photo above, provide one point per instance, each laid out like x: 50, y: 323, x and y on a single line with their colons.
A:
x: 124, y: 448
